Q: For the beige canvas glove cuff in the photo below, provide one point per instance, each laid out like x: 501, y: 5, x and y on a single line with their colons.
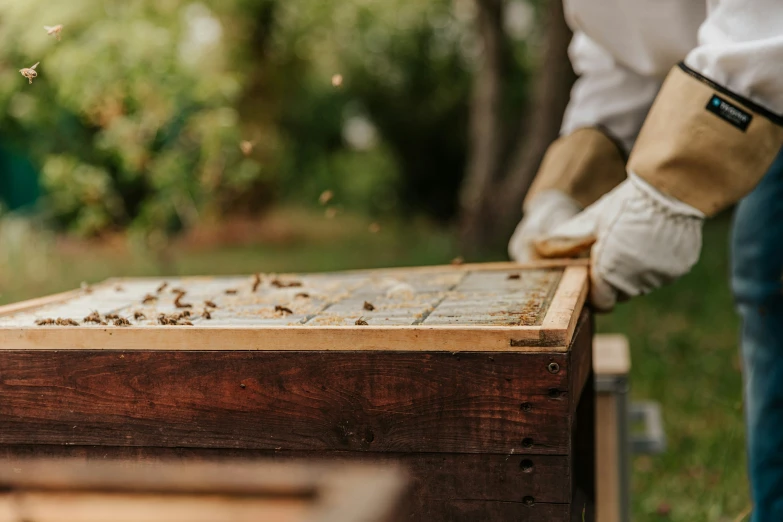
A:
x: 704, y: 145
x: 584, y: 165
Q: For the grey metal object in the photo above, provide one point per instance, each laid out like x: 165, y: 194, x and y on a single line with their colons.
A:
x: 652, y: 439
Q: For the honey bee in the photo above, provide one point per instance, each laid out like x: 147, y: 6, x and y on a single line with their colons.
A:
x: 179, y: 291
x: 185, y: 323
x: 138, y: 316
x: 149, y: 298
x: 282, y: 284
x: 210, y: 304
x: 513, y: 276
x: 44, y: 322
x: 369, y: 306
x: 54, y: 30
x: 283, y: 310
x: 325, y: 197
x: 303, y: 295
x: 205, y: 314
x: 231, y: 291
x: 256, y: 281
x: 94, y: 317
x: 162, y: 287
x: 111, y: 316
x: 121, y: 322
x: 361, y: 322
x: 65, y: 322
x: 246, y: 147
x: 179, y: 304
x: 29, y: 72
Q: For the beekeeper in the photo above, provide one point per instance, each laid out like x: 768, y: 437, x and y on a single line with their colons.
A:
x: 676, y: 116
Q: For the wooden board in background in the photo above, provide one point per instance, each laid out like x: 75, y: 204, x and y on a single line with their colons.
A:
x: 69, y: 490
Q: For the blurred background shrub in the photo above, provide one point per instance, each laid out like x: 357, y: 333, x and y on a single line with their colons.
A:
x: 139, y: 113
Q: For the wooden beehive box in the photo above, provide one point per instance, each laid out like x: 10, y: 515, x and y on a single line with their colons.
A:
x: 477, y: 378
x: 100, y: 491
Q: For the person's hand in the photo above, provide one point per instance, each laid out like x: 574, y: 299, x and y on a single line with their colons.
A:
x: 543, y: 213
x: 641, y: 239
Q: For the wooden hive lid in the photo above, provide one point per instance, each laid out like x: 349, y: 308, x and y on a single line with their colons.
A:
x: 472, y: 307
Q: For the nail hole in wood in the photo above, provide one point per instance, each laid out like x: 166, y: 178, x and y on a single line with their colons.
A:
x: 554, y: 393
x: 529, y: 501
x: 527, y: 442
x: 526, y: 466
x: 526, y: 406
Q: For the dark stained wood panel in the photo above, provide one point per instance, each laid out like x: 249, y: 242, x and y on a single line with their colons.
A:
x: 368, y: 401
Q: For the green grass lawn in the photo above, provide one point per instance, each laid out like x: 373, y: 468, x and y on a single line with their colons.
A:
x: 685, y: 355
x: 683, y: 339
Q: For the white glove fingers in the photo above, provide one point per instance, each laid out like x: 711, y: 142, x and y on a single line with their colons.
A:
x: 545, y: 212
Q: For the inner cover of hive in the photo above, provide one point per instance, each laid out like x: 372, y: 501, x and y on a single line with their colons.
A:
x: 445, y: 297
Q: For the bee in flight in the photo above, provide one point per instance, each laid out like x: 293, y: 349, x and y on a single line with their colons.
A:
x: 54, y: 30
x: 29, y: 72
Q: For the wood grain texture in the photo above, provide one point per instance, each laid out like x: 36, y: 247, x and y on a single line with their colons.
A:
x: 582, y: 406
x: 288, y: 338
x: 432, y: 476
x: 392, y: 401
x: 560, y: 321
x: 607, y: 459
x: 580, y: 359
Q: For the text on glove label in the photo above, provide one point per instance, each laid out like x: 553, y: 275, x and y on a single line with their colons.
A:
x: 729, y: 112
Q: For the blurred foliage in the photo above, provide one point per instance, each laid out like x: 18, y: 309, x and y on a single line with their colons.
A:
x: 132, y: 117
x: 137, y: 115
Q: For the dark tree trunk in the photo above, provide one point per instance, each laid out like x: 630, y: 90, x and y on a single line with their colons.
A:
x: 492, y: 193
x: 551, y: 95
x: 485, y: 127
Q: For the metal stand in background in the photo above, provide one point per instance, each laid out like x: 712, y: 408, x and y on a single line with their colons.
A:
x: 616, y: 441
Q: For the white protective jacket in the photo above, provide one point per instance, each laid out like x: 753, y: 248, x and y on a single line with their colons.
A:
x: 678, y: 106
x: 623, y: 50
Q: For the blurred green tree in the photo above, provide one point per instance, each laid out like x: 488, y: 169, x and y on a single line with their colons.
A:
x: 132, y: 119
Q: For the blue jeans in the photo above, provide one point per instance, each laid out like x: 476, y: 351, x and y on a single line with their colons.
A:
x: 757, y: 283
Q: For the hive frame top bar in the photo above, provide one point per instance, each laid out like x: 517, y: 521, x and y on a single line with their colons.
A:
x: 553, y: 334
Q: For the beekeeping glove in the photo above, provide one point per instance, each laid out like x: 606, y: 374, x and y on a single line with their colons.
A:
x: 701, y: 149
x: 541, y: 214
x: 576, y: 170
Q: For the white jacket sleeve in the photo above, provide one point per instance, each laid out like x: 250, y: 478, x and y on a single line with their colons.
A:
x: 741, y: 49
x: 607, y: 94
x: 622, y: 50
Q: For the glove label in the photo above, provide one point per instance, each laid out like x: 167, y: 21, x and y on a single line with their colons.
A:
x: 729, y: 112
